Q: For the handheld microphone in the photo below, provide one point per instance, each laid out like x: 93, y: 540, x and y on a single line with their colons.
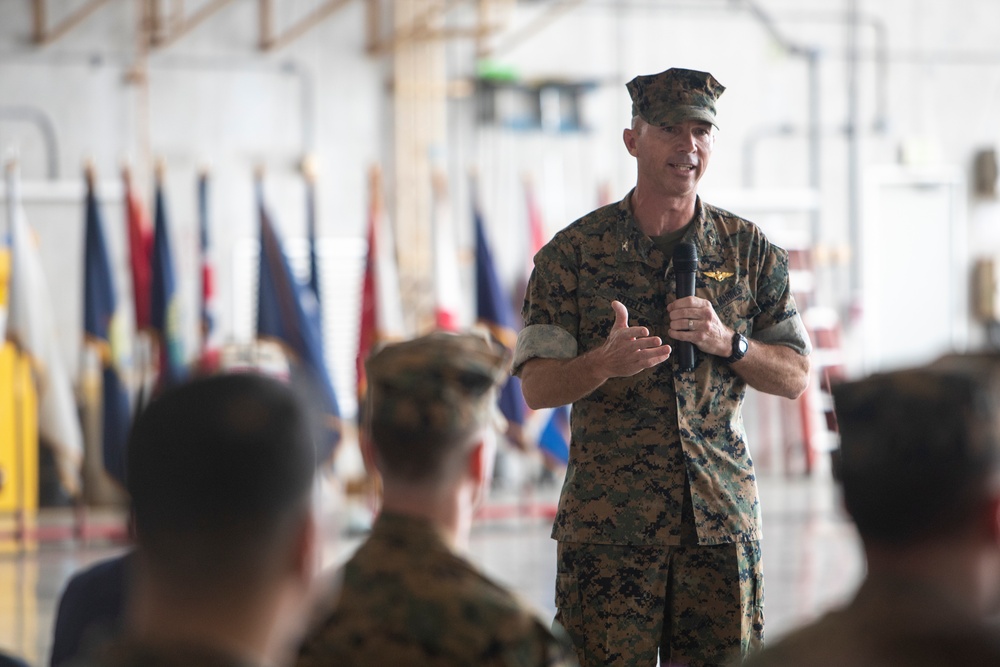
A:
x: 685, y: 267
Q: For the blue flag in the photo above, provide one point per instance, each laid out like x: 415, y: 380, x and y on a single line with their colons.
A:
x: 494, y: 311
x: 313, y: 258
x: 554, y: 439
x: 103, y: 326
x: 314, y: 279
x: 282, y: 315
x: 164, y: 316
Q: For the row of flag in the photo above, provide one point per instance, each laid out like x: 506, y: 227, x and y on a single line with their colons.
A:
x: 288, y: 311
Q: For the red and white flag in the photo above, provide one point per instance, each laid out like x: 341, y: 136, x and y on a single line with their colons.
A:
x: 447, y: 275
x: 381, y: 305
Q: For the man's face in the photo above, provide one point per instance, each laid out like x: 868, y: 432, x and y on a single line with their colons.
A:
x: 671, y: 158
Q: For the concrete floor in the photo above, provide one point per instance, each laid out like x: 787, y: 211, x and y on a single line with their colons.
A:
x: 811, y: 561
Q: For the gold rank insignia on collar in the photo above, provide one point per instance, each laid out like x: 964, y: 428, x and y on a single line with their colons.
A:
x: 719, y: 275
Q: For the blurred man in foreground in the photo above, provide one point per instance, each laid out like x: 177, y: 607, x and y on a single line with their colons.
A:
x: 920, y: 472
x: 408, y: 597
x: 221, y: 477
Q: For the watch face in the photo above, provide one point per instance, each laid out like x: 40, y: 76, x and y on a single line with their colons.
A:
x: 740, y: 345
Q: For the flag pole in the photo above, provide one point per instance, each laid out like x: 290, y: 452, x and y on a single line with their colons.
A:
x: 155, y: 340
x: 90, y: 387
x: 310, y: 172
x: 209, y: 353
x: 10, y: 171
x: 20, y: 532
x: 141, y: 336
x: 258, y: 182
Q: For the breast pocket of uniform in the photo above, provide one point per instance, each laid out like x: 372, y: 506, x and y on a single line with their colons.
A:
x: 735, y: 305
x: 597, y: 316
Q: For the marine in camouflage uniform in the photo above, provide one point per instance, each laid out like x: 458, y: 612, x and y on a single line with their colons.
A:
x: 919, y: 464
x: 659, y: 519
x: 407, y: 597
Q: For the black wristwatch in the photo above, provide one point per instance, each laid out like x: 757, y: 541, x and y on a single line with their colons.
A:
x: 740, y: 346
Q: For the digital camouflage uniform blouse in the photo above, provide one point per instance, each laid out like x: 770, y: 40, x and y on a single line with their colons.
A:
x: 635, y: 439
x: 408, y: 599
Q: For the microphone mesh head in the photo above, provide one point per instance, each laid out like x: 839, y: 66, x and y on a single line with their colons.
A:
x: 685, y: 257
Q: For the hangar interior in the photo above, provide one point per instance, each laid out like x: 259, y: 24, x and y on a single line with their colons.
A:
x: 861, y: 135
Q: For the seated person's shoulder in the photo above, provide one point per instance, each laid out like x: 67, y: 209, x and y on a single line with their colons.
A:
x: 447, y: 614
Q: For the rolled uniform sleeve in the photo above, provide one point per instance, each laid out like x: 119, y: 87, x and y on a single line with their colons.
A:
x: 779, y: 322
x: 550, y: 313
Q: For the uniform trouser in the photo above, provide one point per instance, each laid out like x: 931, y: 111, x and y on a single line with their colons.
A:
x: 695, y: 605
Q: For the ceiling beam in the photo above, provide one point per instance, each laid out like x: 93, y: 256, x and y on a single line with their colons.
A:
x: 269, y: 41
x: 45, y: 35
x: 418, y: 26
x: 179, y: 25
x: 543, y: 20
x: 422, y: 27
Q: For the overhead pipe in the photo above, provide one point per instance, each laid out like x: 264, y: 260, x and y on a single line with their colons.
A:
x: 287, y: 67
x: 852, y: 129
x: 880, y: 55
x: 814, y: 143
x: 753, y: 138
x: 853, y: 151
x: 44, y: 123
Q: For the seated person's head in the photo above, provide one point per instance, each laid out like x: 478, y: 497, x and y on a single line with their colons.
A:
x: 431, y: 402
x: 920, y: 450
x: 220, y: 471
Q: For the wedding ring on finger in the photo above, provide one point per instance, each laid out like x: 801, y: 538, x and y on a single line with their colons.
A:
x: 690, y: 325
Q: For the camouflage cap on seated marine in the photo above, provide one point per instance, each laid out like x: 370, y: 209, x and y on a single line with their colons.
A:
x: 675, y: 95
x: 917, y: 442
x: 441, y: 381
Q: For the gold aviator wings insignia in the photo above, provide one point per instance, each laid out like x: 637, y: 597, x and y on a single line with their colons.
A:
x: 719, y: 275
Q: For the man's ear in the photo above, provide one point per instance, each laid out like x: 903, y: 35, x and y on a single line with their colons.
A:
x: 479, y: 467
x: 629, y: 136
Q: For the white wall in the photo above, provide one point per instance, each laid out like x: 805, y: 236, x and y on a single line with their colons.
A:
x: 940, y: 94
x: 215, y: 99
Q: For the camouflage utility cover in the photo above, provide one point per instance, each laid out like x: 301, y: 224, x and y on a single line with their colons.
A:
x: 675, y: 95
x: 440, y: 380
x: 636, y: 439
x: 407, y: 599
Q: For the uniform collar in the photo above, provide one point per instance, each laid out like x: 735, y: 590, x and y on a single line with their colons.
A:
x: 633, y: 245
x: 412, y: 530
